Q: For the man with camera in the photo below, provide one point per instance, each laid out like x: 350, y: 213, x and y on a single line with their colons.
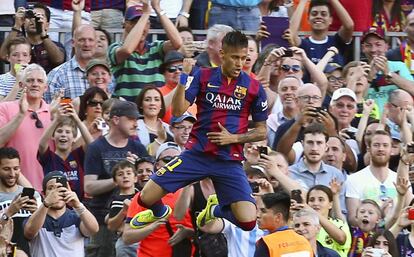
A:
x: 33, y: 23
x: 16, y: 203
x: 55, y: 230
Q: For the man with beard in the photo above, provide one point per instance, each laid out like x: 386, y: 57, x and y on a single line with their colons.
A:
x: 101, y: 156
x: 376, y: 181
x: 12, y: 204
x: 311, y: 170
x: 55, y: 230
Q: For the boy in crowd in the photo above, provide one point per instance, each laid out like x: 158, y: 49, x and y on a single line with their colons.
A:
x: 66, y: 158
x: 124, y: 175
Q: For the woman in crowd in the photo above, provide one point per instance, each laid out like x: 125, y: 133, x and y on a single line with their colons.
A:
x: 383, y: 240
x: 90, y: 110
x: 151, y: 128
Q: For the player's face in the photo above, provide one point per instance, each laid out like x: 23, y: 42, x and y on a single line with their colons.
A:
x: 304, y: 226
x: 380, y: 150
x: 314, y: 147
x: 233, y: 60
x: 9, y: 172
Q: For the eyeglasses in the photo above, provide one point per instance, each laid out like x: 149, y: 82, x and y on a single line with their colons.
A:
x: 93, y: 103
x: 183, y: 128
x: 334, y: 79
x: 174, y: 68
x: 383, y: 191
x: 38, y: 122
x: 395, y: 106
x: 167, y: 159
x: 294, y: 68
x: 347, y: 106
x: 307, y: 98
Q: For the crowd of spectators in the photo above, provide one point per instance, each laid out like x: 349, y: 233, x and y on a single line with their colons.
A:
x: 88, y: 123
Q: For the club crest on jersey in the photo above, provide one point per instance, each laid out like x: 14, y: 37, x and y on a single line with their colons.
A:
x: 240, y: 92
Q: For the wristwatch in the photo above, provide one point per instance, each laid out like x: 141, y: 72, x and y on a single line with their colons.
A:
x: 4, y: 217
x: 185, y: 14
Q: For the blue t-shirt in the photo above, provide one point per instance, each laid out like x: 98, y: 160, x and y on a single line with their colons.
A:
x: 99, y: 160
x: 229, y: 103
x: 315, y: 50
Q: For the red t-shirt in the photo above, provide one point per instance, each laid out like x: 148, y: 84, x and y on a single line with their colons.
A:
x: 156, y: 244
x: 360, y: 12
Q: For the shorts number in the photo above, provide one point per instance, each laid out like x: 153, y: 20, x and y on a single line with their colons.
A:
x: 174, y: 163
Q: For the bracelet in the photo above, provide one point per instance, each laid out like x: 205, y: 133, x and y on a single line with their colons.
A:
x: 16, y: 30
x: 185, y: 14
x: 183, y: 79
x: 162, y: 12
x: 79, y: 211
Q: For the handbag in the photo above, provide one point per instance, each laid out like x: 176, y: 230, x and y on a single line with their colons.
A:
x: 213, y: 245
x: 183, y: 248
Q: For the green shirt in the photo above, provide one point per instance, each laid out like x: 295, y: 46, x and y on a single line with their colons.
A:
x: 328, y: 242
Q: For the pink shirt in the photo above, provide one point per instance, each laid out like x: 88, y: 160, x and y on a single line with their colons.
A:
x: 26, y: 139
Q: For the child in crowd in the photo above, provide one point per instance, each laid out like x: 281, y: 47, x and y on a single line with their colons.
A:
x: 65, y: 158
x: 125, y: 176
x: 368, y: 216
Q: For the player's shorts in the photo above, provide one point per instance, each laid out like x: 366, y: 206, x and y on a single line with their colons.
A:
x: 229, y: 178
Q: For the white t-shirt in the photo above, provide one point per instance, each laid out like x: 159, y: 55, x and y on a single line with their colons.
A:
x: 364, y: 185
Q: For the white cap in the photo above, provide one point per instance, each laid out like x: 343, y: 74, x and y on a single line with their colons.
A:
x: 340, y: 92
x: 165, y: 146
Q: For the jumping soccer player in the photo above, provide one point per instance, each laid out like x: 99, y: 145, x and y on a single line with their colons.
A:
x: 225, y: 97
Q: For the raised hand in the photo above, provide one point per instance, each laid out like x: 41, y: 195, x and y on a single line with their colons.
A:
x: 78, y: 5
x: 188, y: 64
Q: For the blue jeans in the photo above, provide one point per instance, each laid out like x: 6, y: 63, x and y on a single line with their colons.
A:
x: 241, y: 18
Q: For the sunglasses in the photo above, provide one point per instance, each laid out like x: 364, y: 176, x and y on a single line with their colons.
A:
x: 93, y: 103
x: 294, y: 68
x: 38, y: 122
x: 167, y: 159
x: 174, y: 68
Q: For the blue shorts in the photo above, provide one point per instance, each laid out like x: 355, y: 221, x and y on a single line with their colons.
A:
x: 229, y: 178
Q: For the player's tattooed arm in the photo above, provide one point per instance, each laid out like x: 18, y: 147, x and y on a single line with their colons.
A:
x: 224, y: 137
x: 258, y: 133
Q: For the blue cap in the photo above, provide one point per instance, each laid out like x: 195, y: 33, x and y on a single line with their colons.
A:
x: 133, y: 12
x: 186, y: 116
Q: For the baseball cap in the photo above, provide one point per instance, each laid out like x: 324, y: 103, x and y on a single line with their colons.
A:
x: 96, y: 62
x: 124, y: 108
x: 373, y: 31
x: 186, y: 116
x: 149, y: 159
x: 52, y: 175
x: 165, y: 146
x: 340, y: 92
x: 170, y: 57
x: 133, y: 12
x: 332, y: 67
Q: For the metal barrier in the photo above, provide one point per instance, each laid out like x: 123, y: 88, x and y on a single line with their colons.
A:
x: 117, y: 36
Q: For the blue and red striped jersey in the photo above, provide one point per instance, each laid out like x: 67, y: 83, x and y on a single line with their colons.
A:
x: 64, y: 4
x: 229, y: 103
x: 97, y: 5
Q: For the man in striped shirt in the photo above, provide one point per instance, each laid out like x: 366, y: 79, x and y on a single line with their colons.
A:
x: 135, y: 61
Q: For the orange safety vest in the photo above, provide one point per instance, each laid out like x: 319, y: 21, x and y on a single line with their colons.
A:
x: 287, y: 243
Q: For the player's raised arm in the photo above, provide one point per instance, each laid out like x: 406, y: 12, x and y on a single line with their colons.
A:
x: 179, y: 103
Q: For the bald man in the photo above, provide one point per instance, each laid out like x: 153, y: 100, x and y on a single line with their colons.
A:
x: 71, y: 75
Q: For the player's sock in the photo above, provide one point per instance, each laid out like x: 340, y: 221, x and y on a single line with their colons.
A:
x: 158, y: 208
x: 225, y: 212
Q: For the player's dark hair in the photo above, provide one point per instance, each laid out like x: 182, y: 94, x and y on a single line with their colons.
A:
x: 9, y: 153
x: 122, y: 165
x: 45, y: 8
x: 316, y: 128
x: 315, y: 3
x: 235, y: 39
x: 279, y: 202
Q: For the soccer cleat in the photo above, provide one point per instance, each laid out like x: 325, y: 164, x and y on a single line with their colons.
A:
x: 144, y: 218
x: 205, y: 216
